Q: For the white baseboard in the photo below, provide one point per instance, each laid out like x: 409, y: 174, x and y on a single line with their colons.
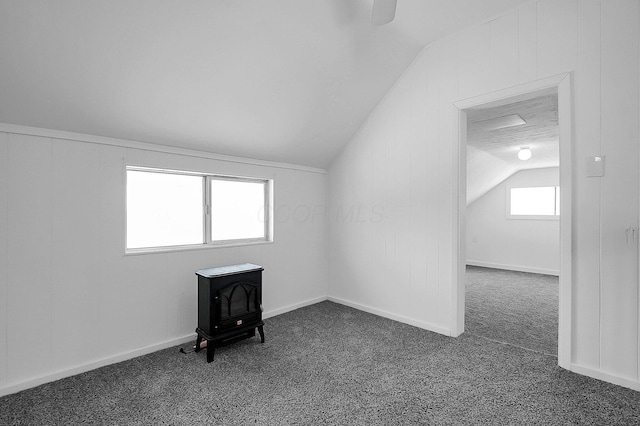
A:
x: 400, y: 318
x: 513, y: 268
x: 37, y: 381
x: 606, y: 377
x: 293, y: 307
x: 61, y: 374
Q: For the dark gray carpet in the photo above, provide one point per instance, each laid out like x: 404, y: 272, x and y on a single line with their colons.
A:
x: 513, y: 307
x: 331, y: 365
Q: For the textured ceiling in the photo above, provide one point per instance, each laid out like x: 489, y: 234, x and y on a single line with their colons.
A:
x: 540, y: 133
x: 492, y: 154
x: 282, y: 80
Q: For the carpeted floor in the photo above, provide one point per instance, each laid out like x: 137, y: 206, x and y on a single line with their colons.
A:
x: 513, y: 307
x: 328, y: 364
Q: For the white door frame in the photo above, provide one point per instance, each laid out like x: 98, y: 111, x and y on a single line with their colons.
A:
x: 563, y: 84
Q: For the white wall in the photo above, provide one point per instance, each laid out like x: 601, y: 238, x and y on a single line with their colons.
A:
x: 527, y: 245
x: 70, y: 300
x: 402, y: 162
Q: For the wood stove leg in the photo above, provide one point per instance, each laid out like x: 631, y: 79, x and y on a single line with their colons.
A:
x: 210, y: 351
x: 261, y: 331
x: 198, y: 341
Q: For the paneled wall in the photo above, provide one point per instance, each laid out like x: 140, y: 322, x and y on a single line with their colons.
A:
x: 496, y: 241
x: 400, y: 263
x: 70, y: 299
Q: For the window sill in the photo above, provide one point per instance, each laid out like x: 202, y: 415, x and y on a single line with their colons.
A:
x: 173, y: 249
x: 524, y: 217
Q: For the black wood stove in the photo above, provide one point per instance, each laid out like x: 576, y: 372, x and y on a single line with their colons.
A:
x: 229, y: 305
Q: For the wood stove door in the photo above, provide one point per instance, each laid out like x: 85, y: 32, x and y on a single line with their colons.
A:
x: 238, y: 305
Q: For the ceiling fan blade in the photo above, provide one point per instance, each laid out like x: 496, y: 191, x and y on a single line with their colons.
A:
x: 383, y: 11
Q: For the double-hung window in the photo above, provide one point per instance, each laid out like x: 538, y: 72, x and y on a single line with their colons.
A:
x: 167, y: 209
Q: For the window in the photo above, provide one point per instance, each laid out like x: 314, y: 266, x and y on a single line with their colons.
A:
x: 172, y: 209
x: 164, y: 209
x: 237, y: 209
x: 534, y: 202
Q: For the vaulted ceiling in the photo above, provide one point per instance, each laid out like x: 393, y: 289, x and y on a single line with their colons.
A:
x: 282, y: 80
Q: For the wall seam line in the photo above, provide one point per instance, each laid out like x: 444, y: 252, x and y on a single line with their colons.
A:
x: 519, y: 48
x: 600, y: 200
x: 51, y: 325
x: 413, y: 186
x: 637, y: 249
x: 6, y: 271
x: 537, y: 43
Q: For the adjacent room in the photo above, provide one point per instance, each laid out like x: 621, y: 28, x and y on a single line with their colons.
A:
x: 268, y: 212
x: 512, y: 222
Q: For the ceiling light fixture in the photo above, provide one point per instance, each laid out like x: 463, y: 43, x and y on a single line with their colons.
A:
x: 524, y: 154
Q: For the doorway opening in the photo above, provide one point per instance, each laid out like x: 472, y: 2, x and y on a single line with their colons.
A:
x: 514, y: 217
x: 512, y: 214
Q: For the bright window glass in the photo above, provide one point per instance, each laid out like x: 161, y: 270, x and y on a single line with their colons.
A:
x: 237, y: 209
x: 535, y: 201
x: 164, y: 209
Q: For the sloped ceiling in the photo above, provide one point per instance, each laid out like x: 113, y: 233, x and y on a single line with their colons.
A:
x: 282, y: 80
x: 492, y: 154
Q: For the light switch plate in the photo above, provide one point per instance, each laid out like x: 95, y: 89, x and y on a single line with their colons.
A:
x: 595, y: 166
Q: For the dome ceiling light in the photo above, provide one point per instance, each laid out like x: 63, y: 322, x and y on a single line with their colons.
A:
x: 524, y: 154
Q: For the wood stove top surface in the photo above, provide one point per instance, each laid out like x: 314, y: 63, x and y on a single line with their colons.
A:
x: 228, y: 270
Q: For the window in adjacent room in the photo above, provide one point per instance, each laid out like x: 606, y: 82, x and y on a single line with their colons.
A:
x: 169, y: 209
x: 541, y: 202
